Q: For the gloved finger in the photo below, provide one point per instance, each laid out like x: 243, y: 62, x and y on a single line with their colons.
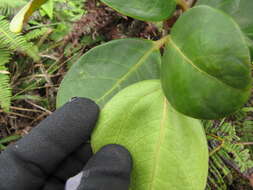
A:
x: 53, y: 184
x: 74, y: 163
x: 71, y: 166
x: 28, y: 163
x: 108, y: 169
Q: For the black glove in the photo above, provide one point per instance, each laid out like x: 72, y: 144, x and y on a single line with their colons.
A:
x: 55, y: 150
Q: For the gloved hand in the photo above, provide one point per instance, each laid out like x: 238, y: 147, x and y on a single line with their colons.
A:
x: 58, y: 149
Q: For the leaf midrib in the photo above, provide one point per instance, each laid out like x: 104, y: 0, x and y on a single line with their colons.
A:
x: 130, y: 71
x: 196, y: 67
x: 159, y: 143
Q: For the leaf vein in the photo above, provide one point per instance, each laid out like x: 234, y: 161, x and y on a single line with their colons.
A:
x: 159, y: 144
x: 126, y: 75
x: 197, y: 68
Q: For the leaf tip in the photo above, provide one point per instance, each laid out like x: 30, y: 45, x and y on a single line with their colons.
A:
x: 15, y: 27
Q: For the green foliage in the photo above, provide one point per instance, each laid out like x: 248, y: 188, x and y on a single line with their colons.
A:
x: 246, y: 131
x: 201, y: 71
x: 8, y: 140
x: 108, y: 68
x: 148, y: 10
x: 16, y: 42
x: 13, y: 3
x: 35, y: 34
x: 5, y: 90
x: 226, y: 150
x: 240, y: 10
x: 48, y: 8
x: 8, y: 7
x: 169, y: 150
x: 23, y: 15
x: 10, y: 42
x: 69, y: 10
x: 213, y: 42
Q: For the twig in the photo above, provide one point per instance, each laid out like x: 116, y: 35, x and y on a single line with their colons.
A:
x: 49, y: 57
x: 39, y: 117
x: 245, y: 143
x: 24, y: 109
x: 236, y: 168
x: 44, y: 37
x: 46, y: 76
x: 18, y: 114
x: 37, y: 106
x: 222, y: 142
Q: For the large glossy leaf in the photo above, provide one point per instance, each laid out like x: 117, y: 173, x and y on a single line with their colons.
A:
x: 148, y: 10
x: 206, y: 65
x: 169, y: 150
x: 23, y: 15
x: 240, y: 10
x: 108, y: 68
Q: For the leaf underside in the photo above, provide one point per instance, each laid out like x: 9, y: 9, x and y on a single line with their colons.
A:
x: 108, y: 68
x: 169, y: 150
x: 201, y: 71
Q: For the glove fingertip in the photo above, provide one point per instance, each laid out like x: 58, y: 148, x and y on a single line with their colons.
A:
x: 108, y: 169
x: 83, y: 104
x: 117, y: 153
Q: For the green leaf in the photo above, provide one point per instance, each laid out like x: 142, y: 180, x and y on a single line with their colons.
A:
x: 2, y: 147
x: 240, y: 10
x: 206, y: 65
x: 23, y: 15
x: 147, y: 10
x: 10, y: 139
x: 108, y: 68
x: 169, y: 150
x: 48, y: 8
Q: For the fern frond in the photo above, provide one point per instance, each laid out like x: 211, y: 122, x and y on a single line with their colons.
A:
x: 5, y: 92
x: 4, y: 56
x: 8, y: 7
x: 12, y: 3
x: 34, y: 34
x: 246, y: 131
x: 16, y: 42
x: 10, y: 42
x: 5, y: 89
x: 224, y: 136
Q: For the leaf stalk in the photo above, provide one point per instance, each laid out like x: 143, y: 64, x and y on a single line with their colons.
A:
x: 183, y: 5
x: 160, y: 43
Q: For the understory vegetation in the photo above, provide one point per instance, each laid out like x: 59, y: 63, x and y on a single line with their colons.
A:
x: 34, y: 62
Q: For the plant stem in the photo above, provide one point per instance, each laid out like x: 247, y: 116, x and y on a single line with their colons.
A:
x: 4, y: 72
x: 183, y: 5
x: 244, y: 143
x: 160, y: 43
x: 218, y: 147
